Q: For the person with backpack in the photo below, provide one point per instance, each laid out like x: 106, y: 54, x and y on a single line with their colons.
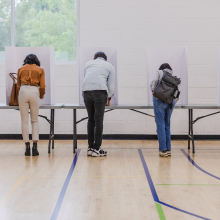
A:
x: 164, y: 89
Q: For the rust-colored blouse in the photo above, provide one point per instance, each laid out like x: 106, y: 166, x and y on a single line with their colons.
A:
x: 31, y: 74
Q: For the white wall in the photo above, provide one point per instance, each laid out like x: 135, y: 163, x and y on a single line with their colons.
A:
x: 131, y: 26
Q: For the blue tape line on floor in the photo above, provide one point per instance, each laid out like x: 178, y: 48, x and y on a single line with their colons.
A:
x: 153, y: 190
x: 65, y: 185
x: 189, y: 213
x: 147, y: 173
x: 198, y: 167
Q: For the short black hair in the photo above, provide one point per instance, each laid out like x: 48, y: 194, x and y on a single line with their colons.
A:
x: 31, y: 59
x: 100, y: 54
x: 165, y: 66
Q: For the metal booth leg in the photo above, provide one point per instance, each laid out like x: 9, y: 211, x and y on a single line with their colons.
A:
x: 192, y: 136
x: 51, y: 113
x: 74, y: 131
x: 189, y: 132
x: 53, y: 110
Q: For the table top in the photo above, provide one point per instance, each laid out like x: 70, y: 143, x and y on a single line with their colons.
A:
x: 54, y: 106
x: 119, y: 106
x: 200, y: 106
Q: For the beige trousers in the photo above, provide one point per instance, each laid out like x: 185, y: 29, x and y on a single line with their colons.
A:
x: 29, y: 98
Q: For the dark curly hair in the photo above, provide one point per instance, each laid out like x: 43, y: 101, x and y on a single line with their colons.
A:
x: 165, y: 66
x: 100, y: 54
x: 31, y: 59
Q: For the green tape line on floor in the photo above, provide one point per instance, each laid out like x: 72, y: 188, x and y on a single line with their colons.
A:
x: 160, y: 211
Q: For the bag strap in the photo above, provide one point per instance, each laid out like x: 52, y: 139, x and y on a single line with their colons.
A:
x: 164, y: 73
x: 13, y: 77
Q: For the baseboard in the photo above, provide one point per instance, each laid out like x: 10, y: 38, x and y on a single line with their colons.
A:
x: 111, y: 137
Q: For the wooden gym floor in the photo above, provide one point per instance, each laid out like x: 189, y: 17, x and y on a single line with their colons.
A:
x: 132, y: 182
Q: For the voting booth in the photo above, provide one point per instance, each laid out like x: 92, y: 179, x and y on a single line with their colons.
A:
x: 14, y: 57
x: 87, y: 54
x: 177, y: 57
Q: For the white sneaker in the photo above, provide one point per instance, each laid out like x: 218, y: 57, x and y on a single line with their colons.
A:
x: 163, y: 154
x: 89, y: 152
x: 169, y: 152
x: 99, y: 153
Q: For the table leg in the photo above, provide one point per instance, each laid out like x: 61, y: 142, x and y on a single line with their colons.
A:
x: 189, y: 132
x: 192, y: 136
x: 50, y: 131
x: 74, y: 131
x: 53, y: 128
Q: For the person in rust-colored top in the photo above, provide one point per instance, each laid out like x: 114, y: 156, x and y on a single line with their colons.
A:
x: 31, y: 87
x: 32, y: 74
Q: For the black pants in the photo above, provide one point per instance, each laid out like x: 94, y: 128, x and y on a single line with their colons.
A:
x: 95, y: 102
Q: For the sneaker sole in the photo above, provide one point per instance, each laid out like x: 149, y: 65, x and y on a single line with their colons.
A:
x: 95, y: 155
x: 89, y: 154
x: 169, y: 153
x: 164, y: 155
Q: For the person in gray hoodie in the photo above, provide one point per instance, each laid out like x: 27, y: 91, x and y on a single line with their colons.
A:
x: 162, y: 112
x: 98, y: 89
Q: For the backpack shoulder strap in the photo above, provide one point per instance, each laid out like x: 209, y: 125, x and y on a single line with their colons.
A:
x: 164, y: 73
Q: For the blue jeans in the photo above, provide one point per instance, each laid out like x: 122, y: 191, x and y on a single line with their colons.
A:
x: 162, y: 114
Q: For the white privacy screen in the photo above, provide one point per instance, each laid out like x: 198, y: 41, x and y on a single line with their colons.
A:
x: 87, y: 54
x: 14, y: 57
x: 178, y: 59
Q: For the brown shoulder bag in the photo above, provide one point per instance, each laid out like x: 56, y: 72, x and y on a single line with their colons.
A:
x: 14, y: 91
